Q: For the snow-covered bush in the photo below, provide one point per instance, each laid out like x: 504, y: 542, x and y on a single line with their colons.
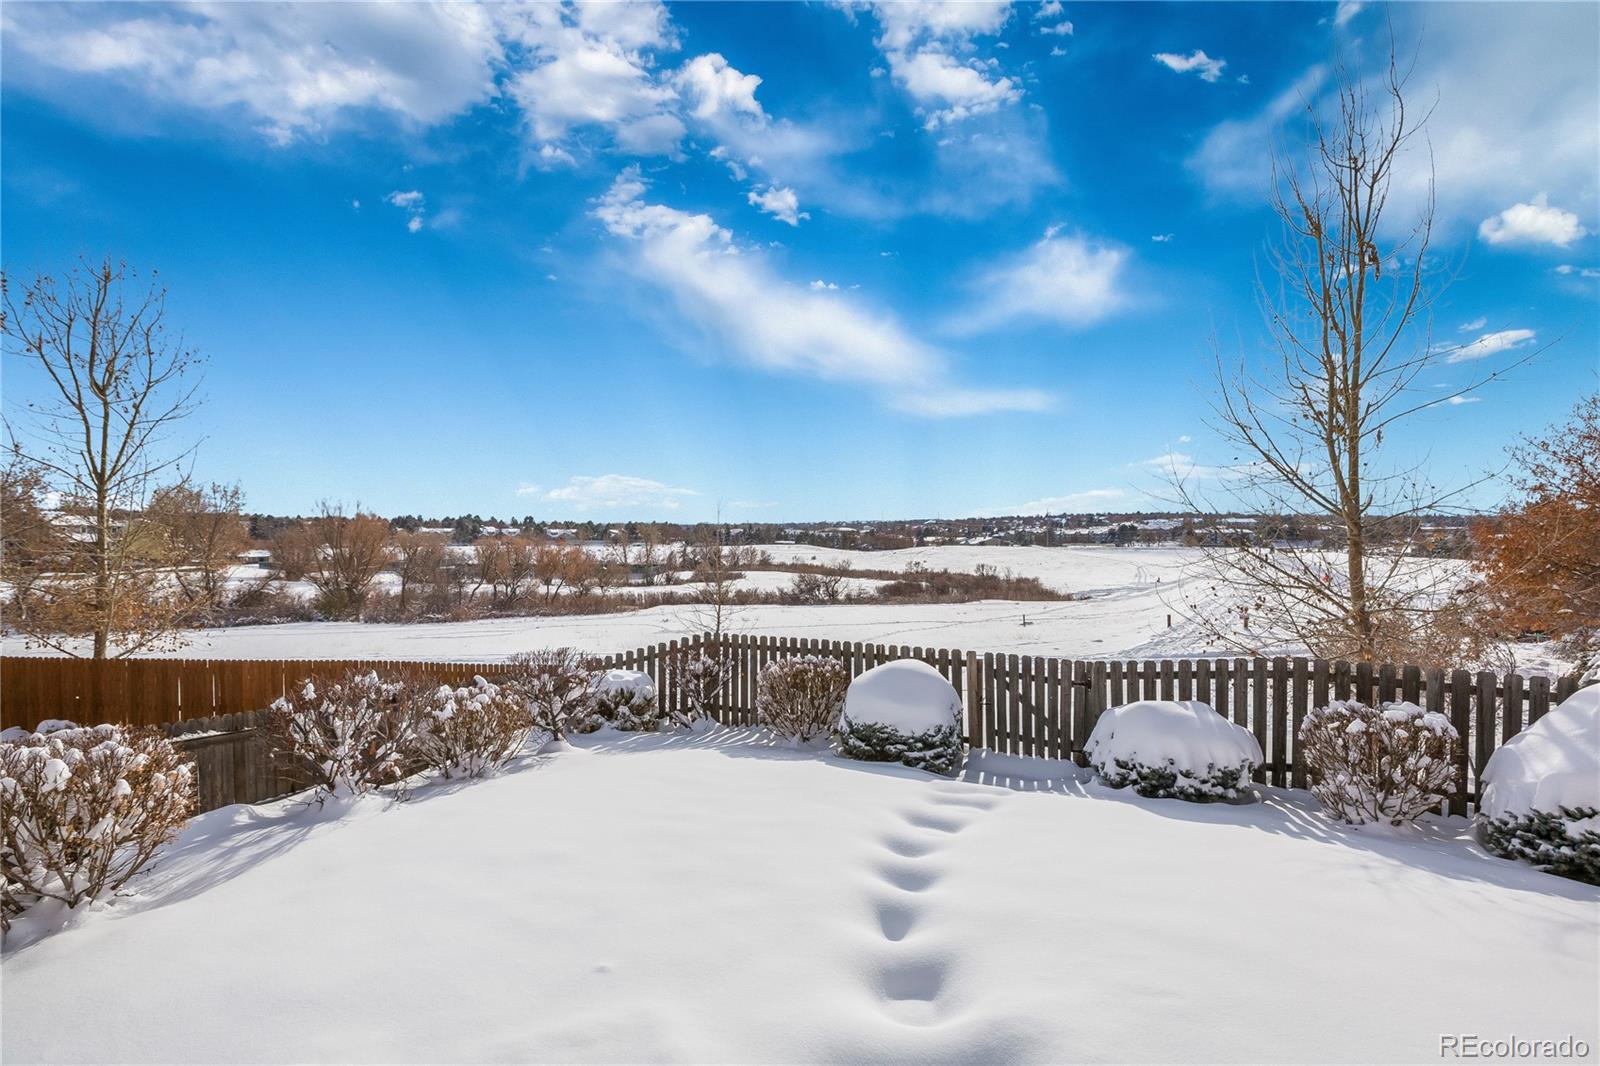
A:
x: 701, y: 673
x: 471, y: 730
x: 84, y: 810
x: 905, y: 712
x: 560, y: 686
x: 1378, y: 764
x: 349, y: 735
x: 1180, y: 749
x: 625, y: 700
x: 801, y: 698
x: 1541, y: 792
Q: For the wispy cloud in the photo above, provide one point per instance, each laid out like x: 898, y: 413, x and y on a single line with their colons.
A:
x: 616, y: 493
x: 733, y: 294
x: 1068, y: 279
x: 1504, y: 340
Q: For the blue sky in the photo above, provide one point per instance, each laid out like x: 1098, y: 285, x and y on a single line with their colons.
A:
x: 782, y: 260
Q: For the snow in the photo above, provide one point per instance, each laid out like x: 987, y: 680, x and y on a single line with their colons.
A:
x: 907, y: 694
x: 716, y: 898
x: 1552, y: 764
x: 1126, y: 597
x: 1186, y: 734
x: 630, y: 681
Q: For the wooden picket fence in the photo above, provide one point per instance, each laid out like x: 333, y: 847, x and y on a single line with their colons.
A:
x: 1031, y: 706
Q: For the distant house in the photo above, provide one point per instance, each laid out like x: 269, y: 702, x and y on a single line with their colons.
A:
x: 255, y: 557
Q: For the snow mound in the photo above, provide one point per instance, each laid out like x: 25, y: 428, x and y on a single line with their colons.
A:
x: 1552, y: 764
x: 907, y: 695
x: 631, y: 682
x: 1179, y: 748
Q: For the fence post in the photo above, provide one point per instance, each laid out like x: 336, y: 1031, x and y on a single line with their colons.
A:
x: 974, y: 701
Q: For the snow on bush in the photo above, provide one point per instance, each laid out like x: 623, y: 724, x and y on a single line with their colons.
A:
x: 1378, y: 764
x: 702, y: 674
x: 471, y: 730
x: 625, y: 700
x: 349, y: 735
x: 906, y: 712
x: 1180, y: 749
x: 84, y: 810
x: 801, y: 698
x: 1541, y: 792
x: 560, y: 686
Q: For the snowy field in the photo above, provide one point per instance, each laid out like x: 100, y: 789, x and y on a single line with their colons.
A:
x: 1127, y: 595
x: 715, y: 899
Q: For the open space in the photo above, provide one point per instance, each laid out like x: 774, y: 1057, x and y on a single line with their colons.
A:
x: 716, y: 898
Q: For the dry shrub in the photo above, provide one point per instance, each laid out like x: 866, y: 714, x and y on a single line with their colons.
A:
x: 702, y: 674
x: 560, y: 686
x: 1378, y: 764
x: 84, y: 810
x: 352, y: 734
x: 801, y: 698
x: 471, y: 730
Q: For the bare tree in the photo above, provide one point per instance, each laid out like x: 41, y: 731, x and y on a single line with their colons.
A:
x: 118, y: 384
x: 415, y: 559
x: 351, y: 551
x: 1347, y: 310
x: 203, y: 534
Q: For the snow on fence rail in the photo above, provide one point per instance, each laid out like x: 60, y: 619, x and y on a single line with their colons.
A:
x: 1024, y: 705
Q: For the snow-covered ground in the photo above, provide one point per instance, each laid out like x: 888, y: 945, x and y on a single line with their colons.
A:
x: 1126, y: 599
x: 714, y: 898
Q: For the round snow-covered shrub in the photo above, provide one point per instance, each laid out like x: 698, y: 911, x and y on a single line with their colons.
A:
x: 1378, y: 764
x: 84, y: 810
x: 1541, y: 792
x: 906, y: 712
x: 560, y: 686
x: 801, y: 698
x: 351, y: 734
x: 1180, y: 749
x: 625, y: 700
x: 471, y: 730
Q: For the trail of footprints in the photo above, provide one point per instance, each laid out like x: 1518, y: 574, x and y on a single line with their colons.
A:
x: 912, y: 978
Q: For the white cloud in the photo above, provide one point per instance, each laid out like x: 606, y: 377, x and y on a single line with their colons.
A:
x: 410, y: 201
x: 1058, y: 51
x: 1181, y: 466
x: 1457, y: 401
x: 1161, y: 238
x: 293, y: 75
x: 1072, y: 502
x: 528, y: 489
x: 928, y: 48
x: 956, y: 402
x: 820, y: 286
x: 587, y: 82
x: 1196, y: 62
x: 617, y: 492
x: 1532, y: 223
x: 734, y: 296
x: 1347, y: 10
x: 949, y: 89
x: 1567, y: 269
x: 1511, y: 102
x: 714, y: 88
x: 1060, y: 29
x: 1052, y: 9
x: 782, y: 204
x: 1475, y: 324
x: 1505, y: 340
x: 1062, y: 278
